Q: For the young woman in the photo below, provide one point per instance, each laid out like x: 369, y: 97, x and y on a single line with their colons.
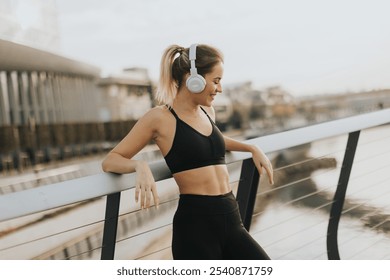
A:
x: 207, y: 223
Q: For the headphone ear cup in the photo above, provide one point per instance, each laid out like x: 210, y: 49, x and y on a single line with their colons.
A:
x: 195, y: 83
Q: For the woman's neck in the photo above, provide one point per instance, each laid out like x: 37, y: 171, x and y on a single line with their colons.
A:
x: 185, y: 104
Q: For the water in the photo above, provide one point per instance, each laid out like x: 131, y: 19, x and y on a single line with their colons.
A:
x: 291, y: 232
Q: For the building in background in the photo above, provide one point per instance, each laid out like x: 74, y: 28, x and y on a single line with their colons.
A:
x: 125, y: 96
x: 53, y: 107
x: 44, y: 88
x: 37, y: 85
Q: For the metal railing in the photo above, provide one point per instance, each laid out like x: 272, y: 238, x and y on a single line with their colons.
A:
x: 61, y: 194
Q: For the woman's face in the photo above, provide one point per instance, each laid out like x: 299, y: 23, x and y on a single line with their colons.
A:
x: 213, y: 85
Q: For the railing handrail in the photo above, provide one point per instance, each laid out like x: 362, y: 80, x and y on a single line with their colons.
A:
x: 51, y: 196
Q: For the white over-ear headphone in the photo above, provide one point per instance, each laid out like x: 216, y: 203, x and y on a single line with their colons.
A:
x: 195, y: 82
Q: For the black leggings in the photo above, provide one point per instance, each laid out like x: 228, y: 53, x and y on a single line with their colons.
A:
x: 210, y: 227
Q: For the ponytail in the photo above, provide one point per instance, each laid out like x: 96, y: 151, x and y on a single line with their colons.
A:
x: 168, y: 86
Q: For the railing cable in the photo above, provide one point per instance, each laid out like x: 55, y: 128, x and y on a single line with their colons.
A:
x: 371, y: 245
x: 152, y: 253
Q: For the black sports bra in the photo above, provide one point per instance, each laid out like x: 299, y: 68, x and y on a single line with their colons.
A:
x: 191, y: 149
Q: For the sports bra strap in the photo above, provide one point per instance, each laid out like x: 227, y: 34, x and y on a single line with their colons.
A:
x: 177, y: 117
x: 204, y: 111
x: 172, y: 111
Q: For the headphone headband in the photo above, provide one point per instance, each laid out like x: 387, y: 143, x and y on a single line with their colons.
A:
x: 192, y: 56
x: 193, y: 51
x: 195, y: 82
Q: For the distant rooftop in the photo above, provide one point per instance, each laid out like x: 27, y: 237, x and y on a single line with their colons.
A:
x: 17, y: 57
x: 129, y: 76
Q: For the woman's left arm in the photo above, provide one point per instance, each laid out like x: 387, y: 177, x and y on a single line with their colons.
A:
x: 259, y: 158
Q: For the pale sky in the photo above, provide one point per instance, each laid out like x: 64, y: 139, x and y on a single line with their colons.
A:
x: 305, y: 46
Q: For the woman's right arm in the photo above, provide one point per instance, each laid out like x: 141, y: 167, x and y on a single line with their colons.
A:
x: 120, y: 161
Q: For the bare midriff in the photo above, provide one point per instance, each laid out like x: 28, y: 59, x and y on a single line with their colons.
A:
x: 208, y: 180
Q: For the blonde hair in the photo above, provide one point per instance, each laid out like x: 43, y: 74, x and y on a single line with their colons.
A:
x: 175, y: 64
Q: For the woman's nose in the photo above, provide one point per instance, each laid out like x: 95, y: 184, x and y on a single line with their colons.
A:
x: 219, y: 88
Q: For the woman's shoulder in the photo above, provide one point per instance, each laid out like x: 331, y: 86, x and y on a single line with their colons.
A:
x: 159, y: 119
x: 157, y: 113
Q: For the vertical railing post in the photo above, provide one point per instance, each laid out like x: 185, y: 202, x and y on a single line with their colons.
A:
x: 110, y: 226
x: 247, y: 190
x: 339, y: 197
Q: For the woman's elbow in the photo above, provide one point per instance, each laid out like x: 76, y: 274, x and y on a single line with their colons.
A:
x: 106, y: 164
x: 104, y: 167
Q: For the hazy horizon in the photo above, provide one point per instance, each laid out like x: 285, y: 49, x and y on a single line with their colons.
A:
x: 306, y: 47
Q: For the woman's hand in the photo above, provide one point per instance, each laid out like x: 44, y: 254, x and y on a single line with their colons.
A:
x: 261, y: 161
x: 145, y: 186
